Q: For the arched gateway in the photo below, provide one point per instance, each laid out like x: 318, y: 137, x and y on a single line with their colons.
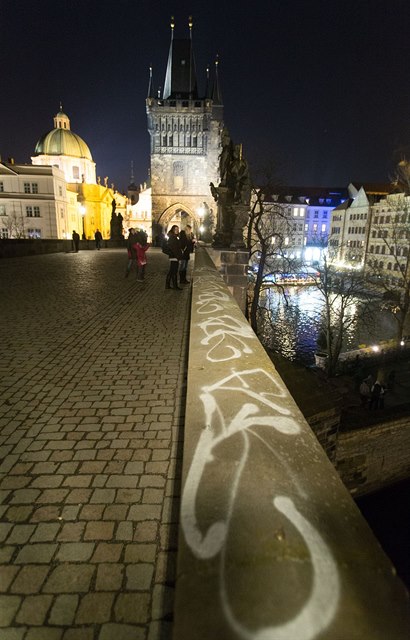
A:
x: 185, y: 132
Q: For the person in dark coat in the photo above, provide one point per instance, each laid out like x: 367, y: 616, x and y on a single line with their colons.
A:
x: 98, y: 239
x: 183, y: 264
x: 76, y: 240
x: 174, y: 255
x: 132, y: 254
x: 376, y: 399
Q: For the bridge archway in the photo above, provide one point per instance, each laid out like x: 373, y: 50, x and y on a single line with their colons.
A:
x: 178, y: 214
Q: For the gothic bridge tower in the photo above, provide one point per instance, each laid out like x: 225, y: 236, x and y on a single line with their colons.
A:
x: 185, y: 130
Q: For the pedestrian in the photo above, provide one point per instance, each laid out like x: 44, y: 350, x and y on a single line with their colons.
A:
x: 131, y: 251
x: 186, y: 246
x: 364, y: 392
x: 174, y: 255
x: 76, y: 240
x: 141, y: 247
x: 98, y: 239
x: 375, y: 395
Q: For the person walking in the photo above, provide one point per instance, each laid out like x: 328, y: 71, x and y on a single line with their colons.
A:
x: 376, y: 400
x: 141, y: 247
x: 364, y: 391
x: 174, y: 255
x: 76, y: 240
x: 186, y: 248
x: 132, y: 254
x: 98, y: 239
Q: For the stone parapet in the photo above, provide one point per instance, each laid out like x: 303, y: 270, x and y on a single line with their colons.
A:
x: 265, y: 518
x: 232, y: 265
x: 371, y: 458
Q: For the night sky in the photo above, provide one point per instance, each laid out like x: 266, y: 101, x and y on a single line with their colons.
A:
x: 320, y: 89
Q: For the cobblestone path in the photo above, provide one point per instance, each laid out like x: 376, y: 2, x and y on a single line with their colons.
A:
x: 92, y: 383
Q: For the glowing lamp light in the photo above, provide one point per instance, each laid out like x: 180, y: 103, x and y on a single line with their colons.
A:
x: 402, y: 343
x: 202, y: 228
x: 375, y: 348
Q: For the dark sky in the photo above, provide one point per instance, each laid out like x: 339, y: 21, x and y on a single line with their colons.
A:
x: 320, y: 88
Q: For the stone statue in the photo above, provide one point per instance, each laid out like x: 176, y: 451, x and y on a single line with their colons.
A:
x: 233, y: 193
x: 116, y: 231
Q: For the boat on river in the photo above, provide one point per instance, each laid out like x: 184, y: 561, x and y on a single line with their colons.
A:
x: 299, y: 279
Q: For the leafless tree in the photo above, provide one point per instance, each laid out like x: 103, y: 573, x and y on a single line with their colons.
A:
x: 346, y: 300
x: 14, y: 224
x: 269, y: 235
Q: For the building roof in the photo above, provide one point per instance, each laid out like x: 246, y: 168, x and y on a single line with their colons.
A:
x: 61, y: 141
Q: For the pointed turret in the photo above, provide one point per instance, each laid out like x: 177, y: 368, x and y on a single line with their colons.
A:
x: 150, y: 93
x: 216, y: 91
x: 180, y: 78
x: 208, y: 84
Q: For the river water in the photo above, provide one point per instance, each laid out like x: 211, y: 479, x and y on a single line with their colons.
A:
x: 291, y: 327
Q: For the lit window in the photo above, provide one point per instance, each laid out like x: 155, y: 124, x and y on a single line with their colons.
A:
x: 295, y: 211
x: 34, y: 233
x: 315, y: 228
x: 301, y: 212
x: 323, y: 228
x: 286, y: 241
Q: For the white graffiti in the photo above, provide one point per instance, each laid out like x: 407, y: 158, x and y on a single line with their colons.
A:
x: 321, y: 606
x: 255, y: 409
x: 219, y: 330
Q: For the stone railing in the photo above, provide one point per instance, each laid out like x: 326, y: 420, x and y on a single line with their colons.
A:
x: 271, y: 545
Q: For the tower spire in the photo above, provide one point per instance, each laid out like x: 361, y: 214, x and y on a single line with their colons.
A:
x: 180, y: 77
x: 150, y: 93
x: 216, y: 91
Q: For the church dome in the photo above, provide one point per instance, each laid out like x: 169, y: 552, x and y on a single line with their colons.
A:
x: 61, y: 141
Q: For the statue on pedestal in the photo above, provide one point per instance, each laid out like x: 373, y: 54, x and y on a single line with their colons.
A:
x: 115, y: 223
x: 232, y: 195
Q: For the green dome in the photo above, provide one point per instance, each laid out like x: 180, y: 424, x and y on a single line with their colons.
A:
x: 61, y: 141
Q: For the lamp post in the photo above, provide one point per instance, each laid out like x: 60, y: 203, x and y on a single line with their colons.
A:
x: 83, y: 212
x: 200, y: 212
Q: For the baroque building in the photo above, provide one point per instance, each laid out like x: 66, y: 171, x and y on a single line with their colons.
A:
x: 185, y: 132
x: 91, y: 201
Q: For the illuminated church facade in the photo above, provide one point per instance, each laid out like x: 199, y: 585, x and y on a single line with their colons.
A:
x: 185, y: 135
x: 59, y: 192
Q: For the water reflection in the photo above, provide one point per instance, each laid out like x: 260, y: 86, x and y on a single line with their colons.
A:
x: 291, y: 326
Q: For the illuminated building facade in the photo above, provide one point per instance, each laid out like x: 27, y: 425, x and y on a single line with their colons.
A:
x: 65, y: 151
x: 35, y: 202
x: 185, y: 133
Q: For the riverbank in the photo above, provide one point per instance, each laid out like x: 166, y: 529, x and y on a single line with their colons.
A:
x: 315, y: 393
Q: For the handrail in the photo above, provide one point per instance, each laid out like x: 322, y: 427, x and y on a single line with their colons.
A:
x: 271, y: 545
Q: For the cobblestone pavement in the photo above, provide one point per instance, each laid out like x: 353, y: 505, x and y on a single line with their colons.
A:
x: 92, y: 370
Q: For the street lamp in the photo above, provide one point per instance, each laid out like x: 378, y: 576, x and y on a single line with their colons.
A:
x: 200, y: 211
x: 83, y: 212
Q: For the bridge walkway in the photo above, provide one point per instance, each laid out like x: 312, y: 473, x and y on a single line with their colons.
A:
x: 92, y: 397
